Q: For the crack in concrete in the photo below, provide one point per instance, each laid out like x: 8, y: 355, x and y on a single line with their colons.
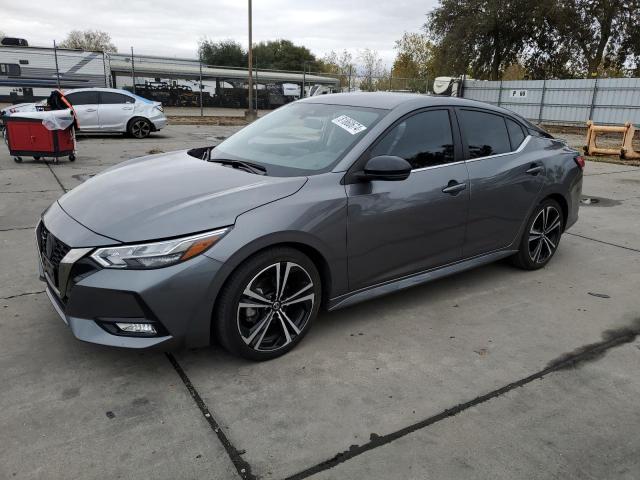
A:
x: 611, y: 173
x: 595, y: 351
x: 21, y: 295
x: 602, y: 241
x: 242, y: 466
x: 16, y: 228
x: 33, y: 191
x: 56, y: 177
x: 586, y: 353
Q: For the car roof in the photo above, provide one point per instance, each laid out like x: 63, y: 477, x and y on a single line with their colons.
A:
x: 391, y: 100
x: 96, y: 89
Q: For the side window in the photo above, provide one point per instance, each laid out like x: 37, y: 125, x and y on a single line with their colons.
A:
x: 516, y: 134
x: 11, y: 69
x: 424, y: 140
x: 114, y: 98
x: 83, y: 98
x: 485, y: 133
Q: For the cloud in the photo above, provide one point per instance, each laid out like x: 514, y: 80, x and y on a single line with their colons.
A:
x: 170, y: 28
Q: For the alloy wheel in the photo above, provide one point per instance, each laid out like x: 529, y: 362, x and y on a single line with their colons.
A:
x: 140, y: 129
x: 275, y: 306
x: 544, y: 234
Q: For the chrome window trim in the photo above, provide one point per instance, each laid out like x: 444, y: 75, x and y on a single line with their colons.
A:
x: 518, y: 150
x: 437, y: 166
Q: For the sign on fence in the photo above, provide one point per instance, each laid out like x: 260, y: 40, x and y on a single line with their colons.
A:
x: 518, y: 94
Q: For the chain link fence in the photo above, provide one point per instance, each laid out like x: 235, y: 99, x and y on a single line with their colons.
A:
x: 176, y: 82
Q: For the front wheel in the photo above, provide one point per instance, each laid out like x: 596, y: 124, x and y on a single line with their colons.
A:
x: 268, y: 304
x: 541, y: 237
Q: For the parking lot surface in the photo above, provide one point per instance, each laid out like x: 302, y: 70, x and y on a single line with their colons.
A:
x: 494, y: 373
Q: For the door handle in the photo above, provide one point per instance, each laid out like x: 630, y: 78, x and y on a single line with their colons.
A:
x: 90, y: 110
x: 127, y: 108
x: 454, y: 187
x: 535, y: 169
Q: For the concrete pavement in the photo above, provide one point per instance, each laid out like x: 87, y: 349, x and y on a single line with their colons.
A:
x: 440, y: 381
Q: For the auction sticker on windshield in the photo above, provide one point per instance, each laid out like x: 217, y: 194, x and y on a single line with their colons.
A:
x: 349, y: 124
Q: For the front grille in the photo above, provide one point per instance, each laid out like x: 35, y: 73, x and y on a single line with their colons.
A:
x: 52, y: 251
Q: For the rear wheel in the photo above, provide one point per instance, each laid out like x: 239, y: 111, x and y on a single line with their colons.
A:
x: 541, y: 237
x: 139, y: 127
x: 268, y: 304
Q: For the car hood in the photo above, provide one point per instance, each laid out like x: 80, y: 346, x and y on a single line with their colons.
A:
x: 20, y: 107
x: 169, y: 195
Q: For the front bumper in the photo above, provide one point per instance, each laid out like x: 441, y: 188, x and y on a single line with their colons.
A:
x: 177, y: 300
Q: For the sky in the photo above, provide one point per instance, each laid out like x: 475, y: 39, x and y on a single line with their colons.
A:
x: 173, y: 27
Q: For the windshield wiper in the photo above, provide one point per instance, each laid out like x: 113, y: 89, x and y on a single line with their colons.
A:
x: 246, y: 166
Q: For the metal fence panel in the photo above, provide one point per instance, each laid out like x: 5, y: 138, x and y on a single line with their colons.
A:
x: 605, y: 101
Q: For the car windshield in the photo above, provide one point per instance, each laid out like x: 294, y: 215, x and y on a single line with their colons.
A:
x: 300, y: 138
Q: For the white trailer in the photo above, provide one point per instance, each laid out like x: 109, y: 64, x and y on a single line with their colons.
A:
x: 30, y: 73
x: 448, y: 86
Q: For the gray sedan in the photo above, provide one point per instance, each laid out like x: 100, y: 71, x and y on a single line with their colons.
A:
x: 323, y: 203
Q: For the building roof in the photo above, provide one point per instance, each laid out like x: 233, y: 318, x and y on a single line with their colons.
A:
x: 181, y: 68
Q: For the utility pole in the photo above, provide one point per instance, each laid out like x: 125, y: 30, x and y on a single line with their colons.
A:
x: 133, y: 72
x: 55, y: 54
x: 304, y: 71
x: 250, y: 114
x: 200, y: 63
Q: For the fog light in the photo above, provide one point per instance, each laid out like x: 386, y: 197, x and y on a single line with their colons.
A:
x: 137, y: 328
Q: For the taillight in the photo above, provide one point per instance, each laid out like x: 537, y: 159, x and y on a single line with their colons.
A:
x: 579, y: 161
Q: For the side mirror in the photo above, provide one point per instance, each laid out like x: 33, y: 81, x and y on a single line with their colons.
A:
x: 386, y: 167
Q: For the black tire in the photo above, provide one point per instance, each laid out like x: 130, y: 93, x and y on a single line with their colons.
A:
x: 36, y: 157
x: 274, y: 327
x: 139, y: 127
x: 536, y: 249
x: 17, y: 159
x: 72, y: 158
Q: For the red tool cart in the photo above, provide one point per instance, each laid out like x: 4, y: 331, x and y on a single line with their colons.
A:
x: 41, y: 134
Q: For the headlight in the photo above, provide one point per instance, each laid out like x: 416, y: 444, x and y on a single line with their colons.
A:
x: 157, y: 254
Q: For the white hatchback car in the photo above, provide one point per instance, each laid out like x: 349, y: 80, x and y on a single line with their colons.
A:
x: 109, y: 110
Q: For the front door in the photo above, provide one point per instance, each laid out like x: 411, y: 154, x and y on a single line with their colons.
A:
x: 505, y: 179
x: 85, y: 104
x: 397, y: 228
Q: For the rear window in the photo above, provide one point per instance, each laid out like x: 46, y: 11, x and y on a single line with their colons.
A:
x: 114, y: 98
x: 485, y: 133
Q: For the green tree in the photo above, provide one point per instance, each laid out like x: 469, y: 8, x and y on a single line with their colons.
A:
x: 370, y: 68
x: 340, y: 65
x: 486, y: 35
x: 414, y: 62
x: 92, y: 40
x: 593, y: 37
x: 224, y: 53
x: 284, y: 55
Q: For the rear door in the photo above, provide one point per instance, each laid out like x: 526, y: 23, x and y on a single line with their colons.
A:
x: 504, y: 178
x: 85, y: 104
x: 115, y: 111
x: 397, y: 228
